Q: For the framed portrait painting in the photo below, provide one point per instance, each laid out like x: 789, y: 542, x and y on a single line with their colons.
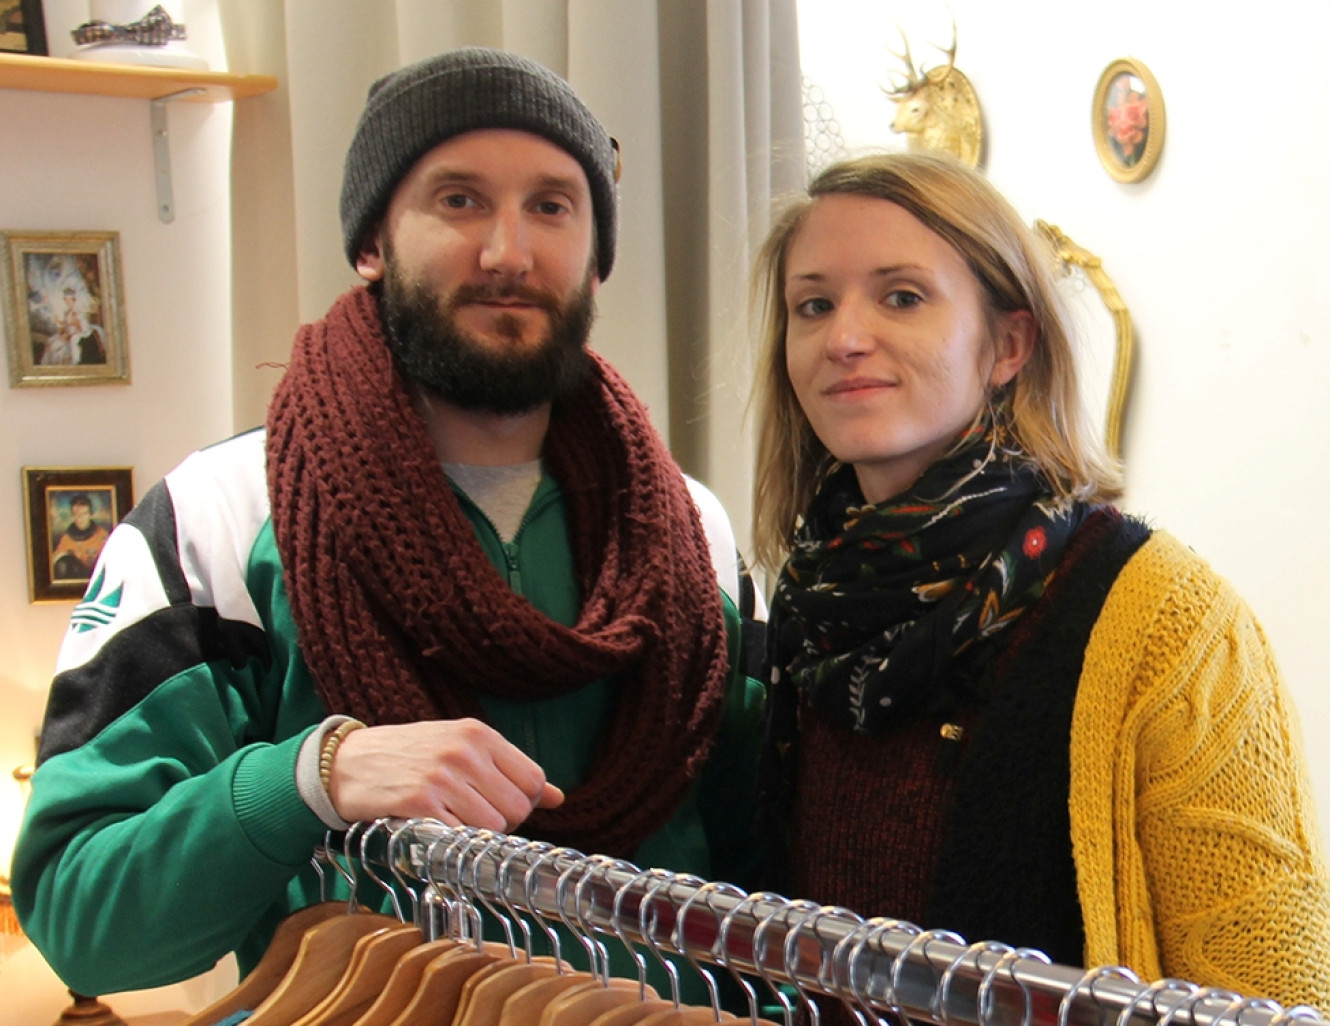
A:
x: 22, y: 27
x: 64, y: 308
x: 1128, y: 120
x: 70, y: 514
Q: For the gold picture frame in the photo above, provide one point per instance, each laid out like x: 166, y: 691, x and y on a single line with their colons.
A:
x: 22, y: 27
x: 1128, y: 120
x: 64, y: 308
x: 70, y: 511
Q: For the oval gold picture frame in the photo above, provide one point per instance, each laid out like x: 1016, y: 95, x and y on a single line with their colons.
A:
x: 1128, y: 120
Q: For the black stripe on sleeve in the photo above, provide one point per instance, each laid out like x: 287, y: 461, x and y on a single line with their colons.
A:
x: 154, y: 517
x: 130, y: 665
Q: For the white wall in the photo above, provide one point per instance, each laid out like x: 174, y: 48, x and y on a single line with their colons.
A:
x: 85, y: 163
x: 1220, y: 255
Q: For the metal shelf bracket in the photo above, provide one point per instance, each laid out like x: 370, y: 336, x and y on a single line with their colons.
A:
x: 161, y: 153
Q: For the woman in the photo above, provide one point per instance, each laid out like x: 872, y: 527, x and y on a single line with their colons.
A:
x: 1000, y: 706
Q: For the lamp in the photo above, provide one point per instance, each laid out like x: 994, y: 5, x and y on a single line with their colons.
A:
x: 9, y: 925
x: 85, y: 1011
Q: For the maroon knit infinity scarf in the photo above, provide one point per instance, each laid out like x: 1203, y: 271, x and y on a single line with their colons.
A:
x: 402, y: 617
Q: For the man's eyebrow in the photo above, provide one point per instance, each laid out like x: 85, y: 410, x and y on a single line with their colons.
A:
x: 564, y: 183
x: 444, y: 175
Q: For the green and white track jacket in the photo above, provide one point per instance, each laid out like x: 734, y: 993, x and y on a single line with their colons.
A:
x: 164, y: 827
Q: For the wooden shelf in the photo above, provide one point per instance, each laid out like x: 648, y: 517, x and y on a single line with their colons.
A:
x: 94, y: 78
x: 160, y: 86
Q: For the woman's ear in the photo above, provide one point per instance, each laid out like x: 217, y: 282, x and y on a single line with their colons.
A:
x: 1013, y: 344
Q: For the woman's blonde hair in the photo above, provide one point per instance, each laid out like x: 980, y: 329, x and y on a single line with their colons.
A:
x: 1041, y: 407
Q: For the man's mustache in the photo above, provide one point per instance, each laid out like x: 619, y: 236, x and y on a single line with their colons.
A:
x: 464, y: 294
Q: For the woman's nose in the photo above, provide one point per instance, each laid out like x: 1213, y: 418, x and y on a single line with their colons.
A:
x: 850, y: 330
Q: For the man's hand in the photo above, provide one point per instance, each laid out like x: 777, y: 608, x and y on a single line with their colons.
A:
x: 462, y: 772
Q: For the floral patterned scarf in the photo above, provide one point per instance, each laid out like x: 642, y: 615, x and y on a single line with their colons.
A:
x: 883, y: 609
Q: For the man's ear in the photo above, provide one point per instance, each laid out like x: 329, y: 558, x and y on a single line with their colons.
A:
x: 1013, y: 346
x: 369, y: 261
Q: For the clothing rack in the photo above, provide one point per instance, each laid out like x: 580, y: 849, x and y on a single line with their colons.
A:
x: 885, y: 969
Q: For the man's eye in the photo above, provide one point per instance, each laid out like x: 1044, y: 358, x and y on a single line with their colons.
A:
x: 551, y: 208
x: 457, y: 200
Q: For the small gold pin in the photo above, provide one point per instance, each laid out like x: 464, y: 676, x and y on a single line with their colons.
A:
x: 952, y: 731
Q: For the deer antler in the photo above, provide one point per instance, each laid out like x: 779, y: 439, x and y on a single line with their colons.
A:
x: 951, y: 54
x: 914, y: 79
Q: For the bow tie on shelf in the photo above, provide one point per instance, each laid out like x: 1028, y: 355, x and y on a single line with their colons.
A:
x: 154, y: 29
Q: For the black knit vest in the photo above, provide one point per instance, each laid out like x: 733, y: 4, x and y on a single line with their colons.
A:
x: 1004, y: 870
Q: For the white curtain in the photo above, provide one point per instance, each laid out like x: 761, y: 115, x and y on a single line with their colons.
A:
x: 703, y: 96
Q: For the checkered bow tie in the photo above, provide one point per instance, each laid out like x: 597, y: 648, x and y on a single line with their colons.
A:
x: 154, y: 29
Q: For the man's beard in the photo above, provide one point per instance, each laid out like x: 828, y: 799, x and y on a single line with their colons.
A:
x: 433, y: 350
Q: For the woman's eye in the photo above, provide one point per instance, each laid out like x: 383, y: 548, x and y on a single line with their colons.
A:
x: 812, y: 307
x: 904, y: 298
x: 457, y: 201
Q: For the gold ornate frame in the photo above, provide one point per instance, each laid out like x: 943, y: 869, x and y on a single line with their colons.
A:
x: 1072, y: 256
x: 29, y: 36
x: 48, y: 494
x: 38, y: 268
x: 1128, y: 94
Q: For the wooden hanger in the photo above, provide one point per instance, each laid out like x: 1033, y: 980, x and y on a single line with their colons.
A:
x: 439, y: 994
x: 685, y: 1015
x: 372, y: 961
x: 401, y: 985
x: 325, y: 951
x: 271, y: 968
x: 582, y: 1006
x: 631, y: 1014
x: 524, y: 1006
x: 484, y: 994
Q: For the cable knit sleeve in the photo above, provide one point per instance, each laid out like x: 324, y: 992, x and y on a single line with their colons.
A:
x: 1193, y: 826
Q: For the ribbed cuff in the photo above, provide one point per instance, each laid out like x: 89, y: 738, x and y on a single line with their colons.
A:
x: 308, y: 784
x: 269, y: 806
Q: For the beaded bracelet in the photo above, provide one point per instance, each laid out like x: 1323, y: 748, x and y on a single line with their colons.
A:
x: 329, y: 750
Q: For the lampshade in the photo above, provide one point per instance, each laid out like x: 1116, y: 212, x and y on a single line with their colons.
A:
x: 9, y: 925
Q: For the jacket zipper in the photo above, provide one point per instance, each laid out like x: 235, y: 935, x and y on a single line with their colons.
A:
x: 511, y: 561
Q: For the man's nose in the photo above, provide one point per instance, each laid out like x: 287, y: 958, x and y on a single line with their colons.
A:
x: 507, y: 245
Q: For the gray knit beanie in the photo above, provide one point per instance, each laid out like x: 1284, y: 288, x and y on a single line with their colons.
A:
x: 413, y: 110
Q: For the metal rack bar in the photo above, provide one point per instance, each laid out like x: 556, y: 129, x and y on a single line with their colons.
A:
x: 886, y: 966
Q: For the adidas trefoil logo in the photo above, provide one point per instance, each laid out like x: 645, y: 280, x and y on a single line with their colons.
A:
x: 96, y: 609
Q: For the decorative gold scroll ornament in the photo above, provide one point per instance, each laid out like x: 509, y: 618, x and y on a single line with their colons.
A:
x: 937, y: 108
x: 1105, y: 350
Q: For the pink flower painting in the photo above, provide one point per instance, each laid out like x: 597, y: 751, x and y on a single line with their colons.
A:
x: 1128, y: 118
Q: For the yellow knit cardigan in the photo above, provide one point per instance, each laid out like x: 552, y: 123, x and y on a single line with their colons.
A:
x: 1192, y: 823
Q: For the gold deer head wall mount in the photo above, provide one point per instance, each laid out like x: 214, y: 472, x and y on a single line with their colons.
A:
x: 937, y: 108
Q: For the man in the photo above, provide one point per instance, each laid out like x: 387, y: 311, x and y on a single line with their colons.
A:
x: 458, y: 577
x: 80, y: 544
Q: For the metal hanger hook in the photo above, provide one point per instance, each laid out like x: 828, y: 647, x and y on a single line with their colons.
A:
x: 400, y: 864
x: 921, y: 940
x: 378, y: 826
x: 976, y: 951
x: 854, y: 944
x: 544, y: 853
x: 679, y: 936
x: 1087, y: 981
x: 984, y: 998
